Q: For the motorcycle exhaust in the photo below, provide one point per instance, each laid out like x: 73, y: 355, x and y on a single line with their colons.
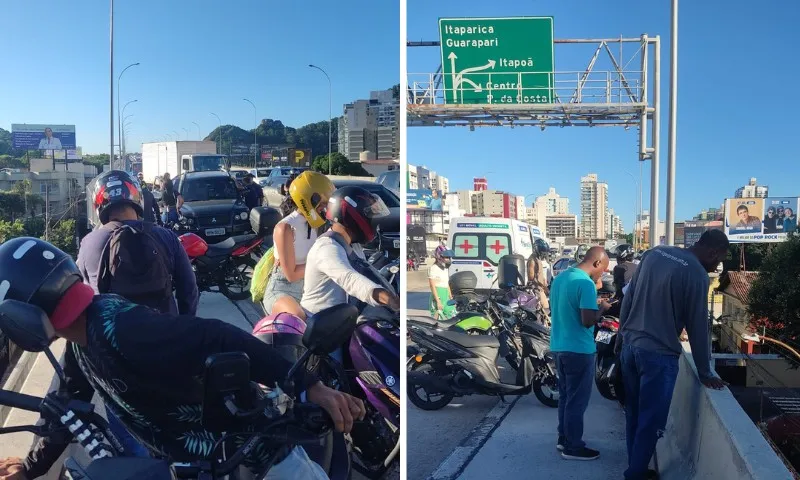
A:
x: 435, y: 384
x: 392, y: 454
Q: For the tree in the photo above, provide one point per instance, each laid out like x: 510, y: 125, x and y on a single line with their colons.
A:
x: 629, y: 238
x: 341, y: 166
x: 97, y: 160
x: 62, y: 235
x: 774, y: 299
x: 9, y: 230
x: 12, y: 206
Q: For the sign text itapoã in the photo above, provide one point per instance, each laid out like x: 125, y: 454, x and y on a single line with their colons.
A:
x: 497, y: 60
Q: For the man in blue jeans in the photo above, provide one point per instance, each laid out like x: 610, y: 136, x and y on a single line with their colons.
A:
x: 668, y: 292
x: 575, y: 311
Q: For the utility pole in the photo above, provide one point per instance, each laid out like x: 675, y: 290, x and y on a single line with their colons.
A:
x: 47, y: 208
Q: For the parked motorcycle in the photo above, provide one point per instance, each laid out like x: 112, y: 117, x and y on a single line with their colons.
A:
x: 229, y: 265
x: 369, y: 369
x: 447, y: 364
x: 294, y: 424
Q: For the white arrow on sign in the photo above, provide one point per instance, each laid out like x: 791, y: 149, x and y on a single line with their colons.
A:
x: 452, y: 58
x: 458, y: 78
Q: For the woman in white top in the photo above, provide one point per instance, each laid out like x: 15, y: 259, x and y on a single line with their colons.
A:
x: 304, y: 211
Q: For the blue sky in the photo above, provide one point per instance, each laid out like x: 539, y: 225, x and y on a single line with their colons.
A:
x: 736, y: 117
x: 196, y: 57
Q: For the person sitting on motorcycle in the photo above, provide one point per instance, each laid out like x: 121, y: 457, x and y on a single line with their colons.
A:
x: 439, y: 282
x: 330, y: 276
x: 536, y: 273
x: 146, y: 365
x: 304, y: 218
x: 624, y: 270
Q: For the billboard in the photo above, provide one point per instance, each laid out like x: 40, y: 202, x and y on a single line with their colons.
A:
x: 300, y: 157
x: 423, y: 199
x: 43, y: 137
x: 692, y: 231
x: 760, y: 220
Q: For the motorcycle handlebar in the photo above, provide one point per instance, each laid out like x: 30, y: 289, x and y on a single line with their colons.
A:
x: 21, y: 401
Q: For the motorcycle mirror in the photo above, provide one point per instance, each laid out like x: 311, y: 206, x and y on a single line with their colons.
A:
x: 26, y: 325
x: 394, y: 269
x: 329, y: 329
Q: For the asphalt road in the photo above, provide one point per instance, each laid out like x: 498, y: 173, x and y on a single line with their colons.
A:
x: 432, y: 436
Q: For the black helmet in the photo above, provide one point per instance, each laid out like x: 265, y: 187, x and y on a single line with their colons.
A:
x: 355, y: 208
x: 541, y: 248
x: 625, y: 252
x: 580, y: 253
x: 608, y: 285
x: 34, y: 272
x: 114, y: 188
x: 608, y: 378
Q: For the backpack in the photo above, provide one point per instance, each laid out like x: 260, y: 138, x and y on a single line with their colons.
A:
x: 261, y: 275
x: 134, y: 265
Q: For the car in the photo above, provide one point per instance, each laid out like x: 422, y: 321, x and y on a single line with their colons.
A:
x: 238, y: 174
x: 390, y: 180
x: 390, y: 226
x: 212, y: 206
x: 260, y: 174
x: 562, y: 264
x: 273, y: 184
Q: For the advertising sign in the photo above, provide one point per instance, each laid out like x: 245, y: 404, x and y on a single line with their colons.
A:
x: 692, y: 231
x: 43, y: 137
x: 300, y: 157
x: 497, y: 60
x: 760, y: 220
x: 423, y: 199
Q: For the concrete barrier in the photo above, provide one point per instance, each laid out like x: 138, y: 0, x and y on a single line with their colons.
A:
x: 709, y: 436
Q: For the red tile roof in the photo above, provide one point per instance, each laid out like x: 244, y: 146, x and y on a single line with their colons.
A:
x: 737, y: 284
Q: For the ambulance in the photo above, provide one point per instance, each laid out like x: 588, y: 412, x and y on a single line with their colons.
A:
x: 478, y: 243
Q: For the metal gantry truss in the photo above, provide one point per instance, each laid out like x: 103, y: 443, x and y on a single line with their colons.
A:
x: 617, y: 97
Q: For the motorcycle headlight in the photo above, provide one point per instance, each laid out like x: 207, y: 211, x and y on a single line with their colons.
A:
x: 243, y: 216
x: 394, y: 269
x: 190, y: 221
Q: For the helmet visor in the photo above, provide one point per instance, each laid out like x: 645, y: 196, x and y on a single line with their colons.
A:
x: 373, y: 207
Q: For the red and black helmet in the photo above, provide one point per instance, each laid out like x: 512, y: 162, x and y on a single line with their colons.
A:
x: 114, y: 188
x: 355, y: 208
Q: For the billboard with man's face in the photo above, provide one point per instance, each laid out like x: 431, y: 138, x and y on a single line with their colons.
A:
x: 423, y: 199
x: 43, y: 137
x: 760, y: 220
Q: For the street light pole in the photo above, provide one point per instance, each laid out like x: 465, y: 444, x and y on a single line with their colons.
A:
x: 119, y: 115
x: 186, y: 132
x: 672, y: 134
x: 635, y: 206
x: 330, y: 117
x: 219, y: 133
x: 124, y: 131
x: 198, y: 130
x: 255, y: 138
x: 111, y: 83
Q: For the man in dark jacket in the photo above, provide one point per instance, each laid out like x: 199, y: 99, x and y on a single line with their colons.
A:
x: 145, y: 365
x: 152, y: 213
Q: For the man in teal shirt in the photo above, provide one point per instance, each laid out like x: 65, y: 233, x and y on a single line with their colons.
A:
x: 575, y: 311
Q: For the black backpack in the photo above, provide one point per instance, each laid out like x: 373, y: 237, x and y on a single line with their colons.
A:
x: 134, y: 265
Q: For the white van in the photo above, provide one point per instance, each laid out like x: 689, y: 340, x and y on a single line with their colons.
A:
x: 478, y: 243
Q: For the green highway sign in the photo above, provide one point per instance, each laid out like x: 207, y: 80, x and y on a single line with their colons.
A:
x: 494, y: 61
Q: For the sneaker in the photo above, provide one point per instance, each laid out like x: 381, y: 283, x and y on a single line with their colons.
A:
x: 582, y: 454
x: 560, y: 444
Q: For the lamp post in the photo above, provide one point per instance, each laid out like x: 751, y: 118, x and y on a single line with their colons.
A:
x: 119, y: 114
x: 255, y: 127
x: 123, y: 137
x: 330, y: 117
x: 198, y: 130
x: 187, y: 133
x: 672, y: 132
x: 111, y: 84
x: 635, y: 207
x: 219, y: 133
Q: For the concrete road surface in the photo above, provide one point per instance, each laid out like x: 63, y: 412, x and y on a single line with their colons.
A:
x: 432, y: 436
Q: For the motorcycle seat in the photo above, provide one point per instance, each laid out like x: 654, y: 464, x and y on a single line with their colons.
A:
x: 470, y: 297
x: 227, y: 246
x: 470, y: 341
x: 433, y: 323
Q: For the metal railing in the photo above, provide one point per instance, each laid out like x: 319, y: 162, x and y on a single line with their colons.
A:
x: 574, y: 87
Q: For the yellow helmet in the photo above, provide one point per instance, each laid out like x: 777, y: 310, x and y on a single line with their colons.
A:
x: 310, y: 190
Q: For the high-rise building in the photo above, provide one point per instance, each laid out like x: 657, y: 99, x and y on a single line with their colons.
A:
x: 371, y: 125
x: 594, y: 205
x: 561, y: 225
x: 420, y: 177
x: 520, y: 207
x: 439, y: 182
x: 614, y: 227
x: 479, y: 184
x: 551, y: 203
x: 752, y: 190
x: 491, y: 203
x: 530, y: 215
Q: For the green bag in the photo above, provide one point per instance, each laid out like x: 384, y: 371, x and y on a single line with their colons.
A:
x: 261, y: 275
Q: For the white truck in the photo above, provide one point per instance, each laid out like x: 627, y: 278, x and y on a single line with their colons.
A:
x: 180, y: 157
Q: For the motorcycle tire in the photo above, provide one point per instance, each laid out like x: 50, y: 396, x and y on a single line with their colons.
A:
x: 419, y: 401
x: 233, y: 266
x: 538, y: 389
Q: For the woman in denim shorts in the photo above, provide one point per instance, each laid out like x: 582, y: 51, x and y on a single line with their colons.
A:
x: 304, y: 218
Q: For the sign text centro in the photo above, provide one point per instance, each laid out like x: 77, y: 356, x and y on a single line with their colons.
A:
x: 497, y: 60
